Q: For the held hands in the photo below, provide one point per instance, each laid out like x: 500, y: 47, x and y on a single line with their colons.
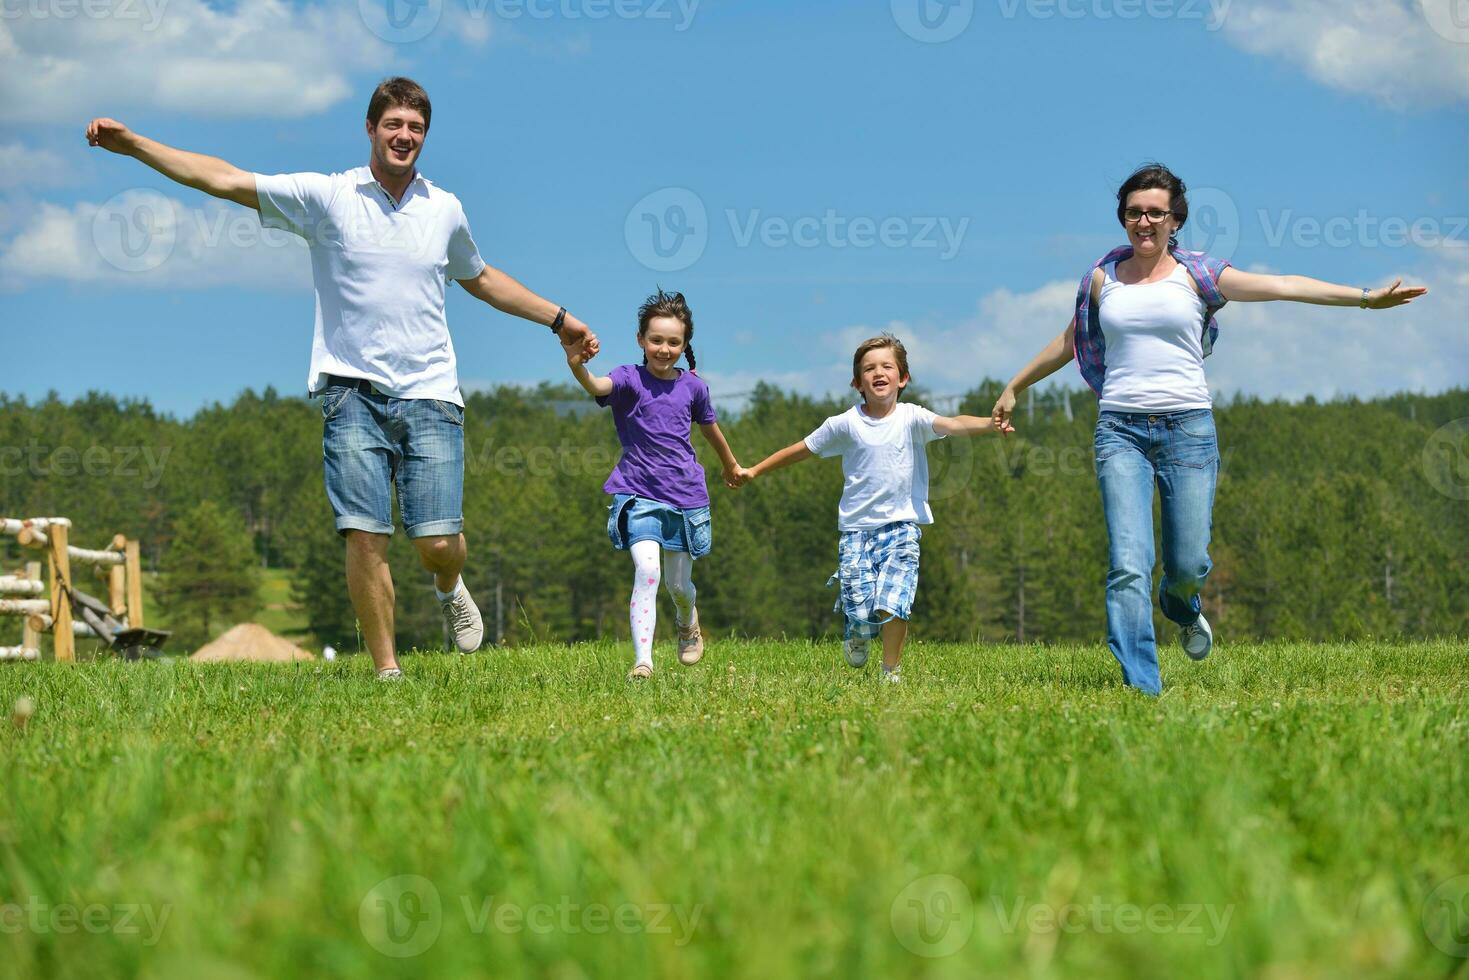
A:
x: 738, y: 476
x: 578, y: 341
x: 1004, y: 409
x: 110, y: 135
x: 1387, y: 297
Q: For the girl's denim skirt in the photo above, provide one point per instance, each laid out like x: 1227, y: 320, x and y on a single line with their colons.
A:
x: 631, y: 519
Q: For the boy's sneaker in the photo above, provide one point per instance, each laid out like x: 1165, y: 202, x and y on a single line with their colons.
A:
x: 690, y: 641
x: 1197, y: 639
x: 390, y: 674
x: 463, y: 619
x: 855, y: 650
x: 640, y: 672
x: 891, y: 676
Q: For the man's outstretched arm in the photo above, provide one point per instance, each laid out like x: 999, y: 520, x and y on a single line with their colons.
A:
x: 208, y: 174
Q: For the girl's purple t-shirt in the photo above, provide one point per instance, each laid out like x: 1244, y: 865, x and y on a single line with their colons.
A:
x: 653, y: 419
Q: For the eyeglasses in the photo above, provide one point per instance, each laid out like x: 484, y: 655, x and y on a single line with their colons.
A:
x: 1154, y: 216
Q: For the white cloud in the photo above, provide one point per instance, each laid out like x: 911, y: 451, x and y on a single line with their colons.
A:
x: 32, y: 168
x: 145, y: 239
x: 62, y: 60
x: 1405, y: 53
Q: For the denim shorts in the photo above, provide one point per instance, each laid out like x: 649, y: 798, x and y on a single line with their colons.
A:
x: 631, y: 519
x: 373, y: 442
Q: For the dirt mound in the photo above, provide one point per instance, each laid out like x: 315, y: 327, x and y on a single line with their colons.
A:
x: 250, y: 641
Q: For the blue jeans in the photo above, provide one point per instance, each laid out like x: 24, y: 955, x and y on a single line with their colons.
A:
x: 1180, y: 453
x: 372, y: 441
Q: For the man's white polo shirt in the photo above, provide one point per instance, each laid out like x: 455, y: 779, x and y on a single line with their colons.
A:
x: 381, y: 268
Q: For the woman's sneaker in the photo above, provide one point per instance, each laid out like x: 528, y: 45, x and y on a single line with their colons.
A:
x: 390, y: 674
x: 1197, y: 639
x: 854, y: 649
x: 892, y: 676
x: 690, y: 641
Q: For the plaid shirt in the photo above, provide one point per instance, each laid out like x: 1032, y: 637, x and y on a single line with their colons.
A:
x: 1091, y: 347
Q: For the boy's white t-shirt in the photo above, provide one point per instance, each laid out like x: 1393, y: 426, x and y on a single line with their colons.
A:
x: 884, y: 463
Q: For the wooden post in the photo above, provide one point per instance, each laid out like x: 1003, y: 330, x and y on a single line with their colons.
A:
x: 62, y: 640
x: 134, y: 585
x: 31, y: 638
x: 117, y: 590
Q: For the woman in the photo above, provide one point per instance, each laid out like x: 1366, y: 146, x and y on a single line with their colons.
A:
x: 1143, y: 325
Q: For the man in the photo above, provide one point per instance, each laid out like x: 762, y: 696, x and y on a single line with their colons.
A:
x: 384, y: 242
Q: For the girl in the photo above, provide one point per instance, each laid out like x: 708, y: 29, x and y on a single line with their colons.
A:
x: 659, y: 500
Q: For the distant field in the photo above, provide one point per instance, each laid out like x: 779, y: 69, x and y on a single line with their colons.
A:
x: 1282, y: 811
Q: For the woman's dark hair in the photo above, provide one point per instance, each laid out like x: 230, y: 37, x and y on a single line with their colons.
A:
x: 673, y: 305
x: 399, y: 91
x: 1155, y: 176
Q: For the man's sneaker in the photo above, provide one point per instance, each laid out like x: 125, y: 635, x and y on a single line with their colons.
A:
x: 855, y: 650
x: 1197, y: 639
x: 891, y: 676
x: 641, y: 672
x: 390, y: 674
x: 462, y: 617
x: 690, y: 641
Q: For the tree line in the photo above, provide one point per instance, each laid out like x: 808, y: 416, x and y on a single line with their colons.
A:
x: 1335, y: 519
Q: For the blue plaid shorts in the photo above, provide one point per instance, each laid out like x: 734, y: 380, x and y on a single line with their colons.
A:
x: 878, y: 571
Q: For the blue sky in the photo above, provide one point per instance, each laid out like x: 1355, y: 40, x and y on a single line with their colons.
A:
x: 855, y: 170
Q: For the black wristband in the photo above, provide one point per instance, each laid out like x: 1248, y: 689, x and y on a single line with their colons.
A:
x: 559, y: 322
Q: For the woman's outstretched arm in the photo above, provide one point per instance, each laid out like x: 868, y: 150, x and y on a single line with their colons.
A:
x: 1258, y: 287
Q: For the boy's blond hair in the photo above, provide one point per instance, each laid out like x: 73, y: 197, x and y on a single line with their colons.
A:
x: 900, y: 353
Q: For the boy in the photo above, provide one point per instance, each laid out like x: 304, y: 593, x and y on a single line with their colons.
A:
x: 884, y: 498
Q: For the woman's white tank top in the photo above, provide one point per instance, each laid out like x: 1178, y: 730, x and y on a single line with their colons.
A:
x: 1154, y: 334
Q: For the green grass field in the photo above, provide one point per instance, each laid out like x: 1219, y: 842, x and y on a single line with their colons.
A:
x: 1283, y: 811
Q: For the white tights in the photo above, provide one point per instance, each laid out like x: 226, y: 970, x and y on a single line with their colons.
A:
x: 677, y: 575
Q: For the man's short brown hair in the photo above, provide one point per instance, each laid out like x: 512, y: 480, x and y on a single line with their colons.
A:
x: 395, y: 92
x: 900, y: 354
